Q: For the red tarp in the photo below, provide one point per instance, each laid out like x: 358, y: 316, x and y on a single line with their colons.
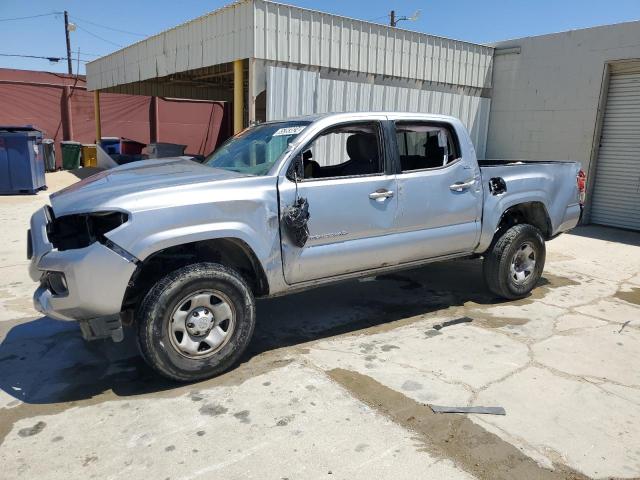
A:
x: 36, y: 98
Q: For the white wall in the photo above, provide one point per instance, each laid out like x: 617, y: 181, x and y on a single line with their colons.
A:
x: 292, y: 93
x: 545, y: 99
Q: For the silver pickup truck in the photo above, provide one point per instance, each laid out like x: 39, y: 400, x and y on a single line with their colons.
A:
x: 180, y: 249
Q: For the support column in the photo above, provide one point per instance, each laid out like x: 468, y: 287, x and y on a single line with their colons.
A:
x: 96, y: 115
x: 154, y: 124
x: 238, y: 97
x: 252, y: 91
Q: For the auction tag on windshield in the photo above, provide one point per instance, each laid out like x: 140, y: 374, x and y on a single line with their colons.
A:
x: 289, y: 131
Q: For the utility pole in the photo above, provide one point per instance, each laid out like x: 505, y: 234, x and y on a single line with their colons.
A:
x: 392, y: 19
x: 66, y: 34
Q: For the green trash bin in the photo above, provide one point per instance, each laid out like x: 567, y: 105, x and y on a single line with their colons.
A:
x: 71, y: 154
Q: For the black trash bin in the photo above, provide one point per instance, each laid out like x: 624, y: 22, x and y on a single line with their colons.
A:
x: 21, y: 160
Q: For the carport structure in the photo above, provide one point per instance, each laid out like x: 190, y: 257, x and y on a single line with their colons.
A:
x: 274, y: 61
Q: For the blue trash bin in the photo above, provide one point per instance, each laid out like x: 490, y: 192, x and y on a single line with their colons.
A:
x: 21, y: 160
x: 111, y: 145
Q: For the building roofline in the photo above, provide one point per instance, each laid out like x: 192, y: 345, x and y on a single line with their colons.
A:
x: 499, y: 43
x: 295, y: 7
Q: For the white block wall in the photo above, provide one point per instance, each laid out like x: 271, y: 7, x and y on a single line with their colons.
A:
x: 545, y: 99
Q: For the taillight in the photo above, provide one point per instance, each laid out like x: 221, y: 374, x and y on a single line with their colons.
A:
x: 581, y: 179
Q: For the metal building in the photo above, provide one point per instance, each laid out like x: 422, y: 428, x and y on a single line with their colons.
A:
x: 274, y: 61
x: 575, y: 96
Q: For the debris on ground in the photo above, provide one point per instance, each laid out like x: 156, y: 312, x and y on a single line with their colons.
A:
x: 480, y: 410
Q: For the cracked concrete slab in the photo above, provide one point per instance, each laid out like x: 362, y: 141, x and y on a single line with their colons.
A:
x: 293, y: 419
x: 572, y: 321
x: 569, y: 421
x: 613, y: 310
x: 561, y: 362
x: 485, y: 354
x: 577, y: 355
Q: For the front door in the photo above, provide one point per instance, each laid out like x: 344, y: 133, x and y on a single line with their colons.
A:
x: 352, y: 204
x: 439, y: 192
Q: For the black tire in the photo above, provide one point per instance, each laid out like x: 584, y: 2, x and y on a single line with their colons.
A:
x: 498, y: 260
x: 154, y: 319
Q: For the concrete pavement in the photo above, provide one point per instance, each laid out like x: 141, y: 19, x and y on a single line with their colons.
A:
x: 336, y: 380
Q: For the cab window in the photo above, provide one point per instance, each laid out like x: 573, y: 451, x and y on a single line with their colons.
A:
x: 423, y: 145
x: 344, y: 151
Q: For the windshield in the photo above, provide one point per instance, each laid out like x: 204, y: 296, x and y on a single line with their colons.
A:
x: 255, y: 150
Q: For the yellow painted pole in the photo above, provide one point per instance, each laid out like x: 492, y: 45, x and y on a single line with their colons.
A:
x: 238, y: 97
x: 96, y: 113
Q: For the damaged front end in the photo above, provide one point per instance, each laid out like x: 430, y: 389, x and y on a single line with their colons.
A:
x: 81, y: 230
x: 82, y: 273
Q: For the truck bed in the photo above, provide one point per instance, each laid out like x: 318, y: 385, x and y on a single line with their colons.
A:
x: 509, y: 182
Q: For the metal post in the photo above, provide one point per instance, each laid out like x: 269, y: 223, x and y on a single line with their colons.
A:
x: 238, y: 97
x: 252, y: 91
x: 96, y: 114
x: 67, y: 119
x: 66, y: 34
x: 154, y: 123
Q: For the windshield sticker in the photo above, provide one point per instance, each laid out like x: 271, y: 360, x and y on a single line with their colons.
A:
x: 289, y: 131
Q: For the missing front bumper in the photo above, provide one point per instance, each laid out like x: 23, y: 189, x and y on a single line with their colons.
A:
x: 102, y: 328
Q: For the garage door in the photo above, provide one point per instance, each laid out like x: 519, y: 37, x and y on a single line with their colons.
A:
x: 616, y: 193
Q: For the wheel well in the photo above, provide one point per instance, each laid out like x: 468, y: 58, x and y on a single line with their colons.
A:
x: 230, y: 252
x: 533, y: 213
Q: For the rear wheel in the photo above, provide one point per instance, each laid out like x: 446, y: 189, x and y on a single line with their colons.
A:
x: 196, y: 322
x: 515, y: 261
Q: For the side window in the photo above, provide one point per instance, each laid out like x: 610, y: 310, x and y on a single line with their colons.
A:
x: 424, y: 145
x: 345, y: 150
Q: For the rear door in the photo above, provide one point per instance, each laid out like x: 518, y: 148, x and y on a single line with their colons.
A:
x: 439, y: 191
x: 352, y: 203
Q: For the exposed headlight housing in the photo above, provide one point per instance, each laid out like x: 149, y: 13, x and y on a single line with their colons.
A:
x: 81, y: 230
x: 56, y: 282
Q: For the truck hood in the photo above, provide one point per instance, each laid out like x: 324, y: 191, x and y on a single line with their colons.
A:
x: 101, y: 189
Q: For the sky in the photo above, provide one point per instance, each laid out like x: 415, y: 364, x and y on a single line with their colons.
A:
x: 104, y: 26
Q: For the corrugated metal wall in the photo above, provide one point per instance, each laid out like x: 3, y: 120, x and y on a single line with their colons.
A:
x: 616, y: 190
x: 283, y: 33
x: 292, y: 92
x: 218, y: 37
x: 289, y: 34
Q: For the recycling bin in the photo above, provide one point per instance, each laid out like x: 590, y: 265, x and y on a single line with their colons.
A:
x: 131, y: 147
x: 49, y: 154
x: 21, y: 160
x: 111, y: 145
x: 71, y: 154
x: 163, y: 150
x: 89, y: 155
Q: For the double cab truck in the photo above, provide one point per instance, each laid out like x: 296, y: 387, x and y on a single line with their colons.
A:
x: 180, y: 249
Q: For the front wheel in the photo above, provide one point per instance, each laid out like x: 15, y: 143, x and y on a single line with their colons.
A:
x: 196, y: 322
x: 514, y: 262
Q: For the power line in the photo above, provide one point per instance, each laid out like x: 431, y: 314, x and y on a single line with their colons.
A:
x: 378, y: 18
x: 30, y: 16
x: 98, y: 36
x: 109, y: 28
x: 51, y: 59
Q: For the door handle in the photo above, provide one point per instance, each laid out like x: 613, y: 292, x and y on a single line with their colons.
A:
x: 381, y: 195
x: 460, y: 186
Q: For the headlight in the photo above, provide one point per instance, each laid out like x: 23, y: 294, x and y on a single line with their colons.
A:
x: 81, y: 230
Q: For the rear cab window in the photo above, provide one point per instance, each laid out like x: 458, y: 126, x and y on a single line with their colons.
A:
x: 425, y: 145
